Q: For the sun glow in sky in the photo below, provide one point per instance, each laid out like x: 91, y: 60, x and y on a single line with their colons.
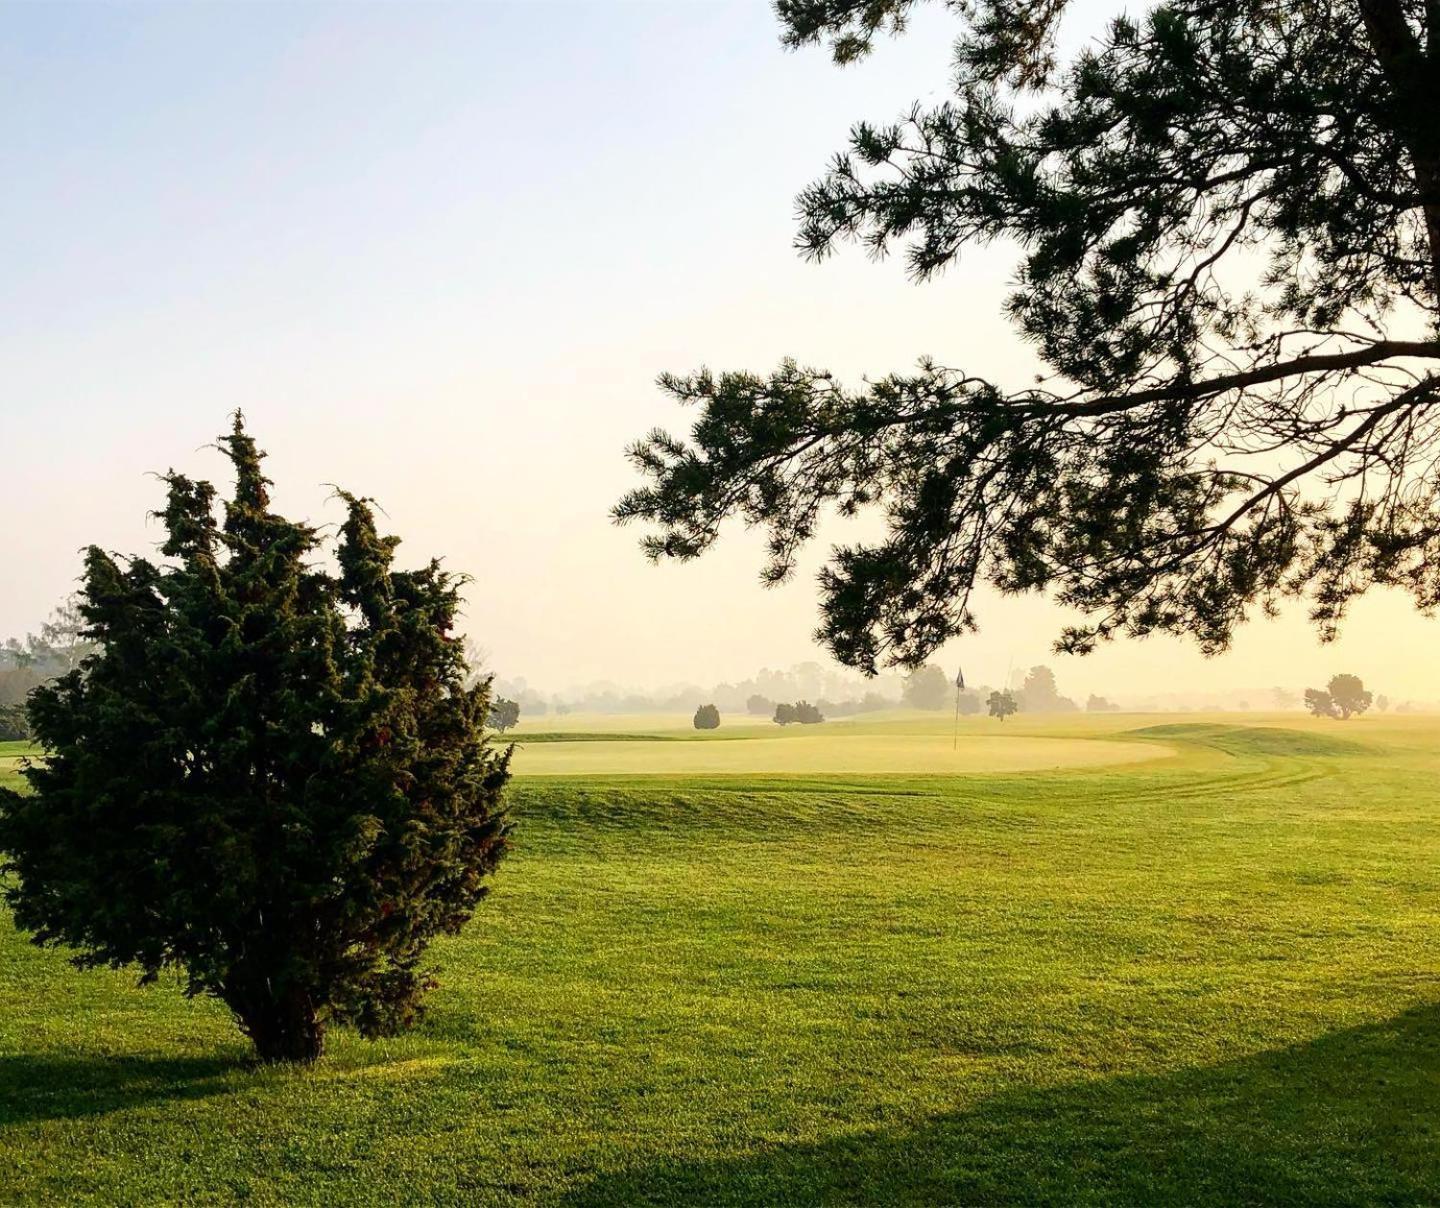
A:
x: 438, y: 254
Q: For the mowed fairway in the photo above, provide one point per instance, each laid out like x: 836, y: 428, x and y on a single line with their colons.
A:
x: 1211, y: 975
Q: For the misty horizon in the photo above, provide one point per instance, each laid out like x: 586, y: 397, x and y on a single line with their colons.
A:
x: 178, y: 296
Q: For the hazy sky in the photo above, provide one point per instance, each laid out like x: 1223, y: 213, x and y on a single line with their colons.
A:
x: 438, y: 253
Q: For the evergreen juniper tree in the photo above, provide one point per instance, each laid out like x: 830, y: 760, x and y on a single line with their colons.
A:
x: 1227, y: 218
x: 268, y: 775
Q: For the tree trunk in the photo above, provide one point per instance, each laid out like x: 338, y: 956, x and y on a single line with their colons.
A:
x: 1415, y: 84
x: 282, y: 1029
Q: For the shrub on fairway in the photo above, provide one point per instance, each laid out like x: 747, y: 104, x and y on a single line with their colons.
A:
x: 707, y: 717
x: 802, y: 712
x: 1002, y: 704
x: 269, y: 775
x: 504, y: 714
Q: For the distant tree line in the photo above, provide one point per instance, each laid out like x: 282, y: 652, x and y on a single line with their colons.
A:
x: 14, y: 724
x: 930, y: 687
x: 1040, y: 694
x: 871, y: 702
x: 836, y: 694
x: 59, y: 648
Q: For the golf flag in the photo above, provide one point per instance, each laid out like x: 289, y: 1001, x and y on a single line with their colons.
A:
x: 960, y: 680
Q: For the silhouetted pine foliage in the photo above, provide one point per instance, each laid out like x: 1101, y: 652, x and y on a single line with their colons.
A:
x: 268, y: 775
x: 1227, y: 214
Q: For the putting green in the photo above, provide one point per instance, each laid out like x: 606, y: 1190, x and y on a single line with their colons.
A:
x: 841, y: 753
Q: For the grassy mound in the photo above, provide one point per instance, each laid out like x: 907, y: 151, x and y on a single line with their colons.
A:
x: 1255, y: 740
x: 835, y: 750
x: 523, y: 739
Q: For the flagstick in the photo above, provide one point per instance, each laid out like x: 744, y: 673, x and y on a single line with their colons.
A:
x: 959, y: 688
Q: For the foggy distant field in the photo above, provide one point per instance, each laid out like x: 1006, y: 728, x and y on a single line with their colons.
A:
x: 913, y: 742
x: 1206, y: 975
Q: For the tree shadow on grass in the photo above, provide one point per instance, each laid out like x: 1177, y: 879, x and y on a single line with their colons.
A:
x: 1353, y: 1117
x: 39, y: 1087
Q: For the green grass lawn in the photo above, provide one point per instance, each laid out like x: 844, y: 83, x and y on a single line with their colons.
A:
x: 1213, y: 976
